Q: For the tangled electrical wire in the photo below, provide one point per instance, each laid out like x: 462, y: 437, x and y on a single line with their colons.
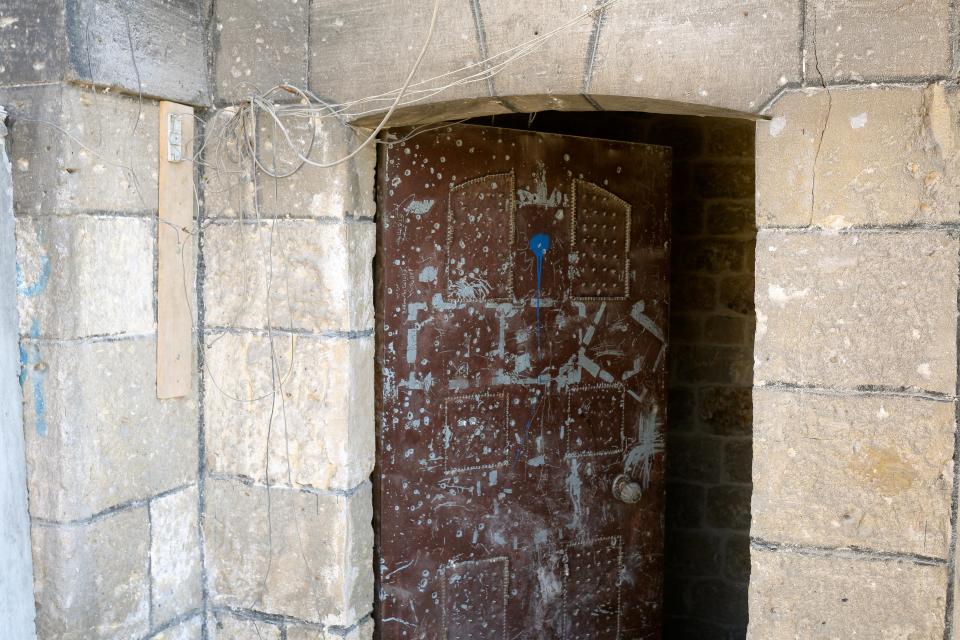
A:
x: 284, y: 103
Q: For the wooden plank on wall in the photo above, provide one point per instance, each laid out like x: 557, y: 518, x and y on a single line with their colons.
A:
x: 175, y: 256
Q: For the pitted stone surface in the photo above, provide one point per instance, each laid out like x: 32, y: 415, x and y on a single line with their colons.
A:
x: 188, y: 630
x: 321, y: 277
x: 97, y: 436
x: 731, y: 55
x: 259, y: 45
x: 341, y: 191
x: 557, y: 65
x: 362, y: 631
x: 74, y: 150
x: 322, y: 431
x: 154, y: 47
x: 175, y: 554
x: 866, y: 471
x: 796, y: 596
x: 296, y: 557
x: 28, y: 29
x: 863, y: 156
x: 857, y: 309
x: 91, y: 580
x: 82, y: 276
x: 221, y: 625
x: 885, y: 40
x: 345, y: 64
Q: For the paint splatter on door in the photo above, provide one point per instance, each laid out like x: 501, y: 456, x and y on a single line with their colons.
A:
x: 521, y: 347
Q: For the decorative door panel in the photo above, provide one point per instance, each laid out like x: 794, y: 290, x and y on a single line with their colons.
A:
x: 522, y: 314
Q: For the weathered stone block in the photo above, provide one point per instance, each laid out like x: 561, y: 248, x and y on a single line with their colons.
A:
x: 890, y: 41
x: 307, y: 555
x: 859, y: 157
x: 798, y: 596
x: 853, y: 471
x: 730, y: 55
x: 362, y: 631
x: 147, y: 46
x: 175, y: 554
x: 341, y: 191
x: 259, y: 45
x: 28, y: 53
x: 322, y: 432
x: 97, y: 436
x: 556, y: 65
x: 857, y: 309
x: 321, y: 278
x: 91, y: 580
x: 222, y: 625
x: 153, y: 47
x: 191, y: 629
x: 78, y: 151
x: 81, y: 276
x: 344, y: 67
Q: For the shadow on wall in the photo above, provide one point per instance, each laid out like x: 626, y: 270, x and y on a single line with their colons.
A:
x: 709, y: 441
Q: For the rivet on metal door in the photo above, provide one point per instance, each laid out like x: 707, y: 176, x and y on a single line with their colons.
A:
x: 522, y: 314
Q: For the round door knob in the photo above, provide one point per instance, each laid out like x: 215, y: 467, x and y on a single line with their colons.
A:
x: 626, y: 490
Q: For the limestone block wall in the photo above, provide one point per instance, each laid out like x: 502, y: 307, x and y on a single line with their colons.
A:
x: 112, y: 470
x: 855, y: 385
x: 855, y: 381
x: 288, y: 386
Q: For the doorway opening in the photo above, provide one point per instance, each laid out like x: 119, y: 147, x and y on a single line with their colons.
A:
x: 711, y: 332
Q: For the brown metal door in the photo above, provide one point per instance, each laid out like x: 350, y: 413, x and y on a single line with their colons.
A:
x: 521, y: 347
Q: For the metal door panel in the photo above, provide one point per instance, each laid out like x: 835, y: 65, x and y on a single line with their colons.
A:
x: 522, y: 314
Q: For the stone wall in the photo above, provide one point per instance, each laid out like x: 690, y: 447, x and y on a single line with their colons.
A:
x: 855, y: 372
x: 112, y: 472
x: 853, y: 512
x: 288, y: 388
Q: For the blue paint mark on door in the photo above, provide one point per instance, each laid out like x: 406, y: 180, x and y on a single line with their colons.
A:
x: 539, y: 244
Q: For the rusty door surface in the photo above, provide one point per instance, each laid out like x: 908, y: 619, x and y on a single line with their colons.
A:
x: 522, y: 318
